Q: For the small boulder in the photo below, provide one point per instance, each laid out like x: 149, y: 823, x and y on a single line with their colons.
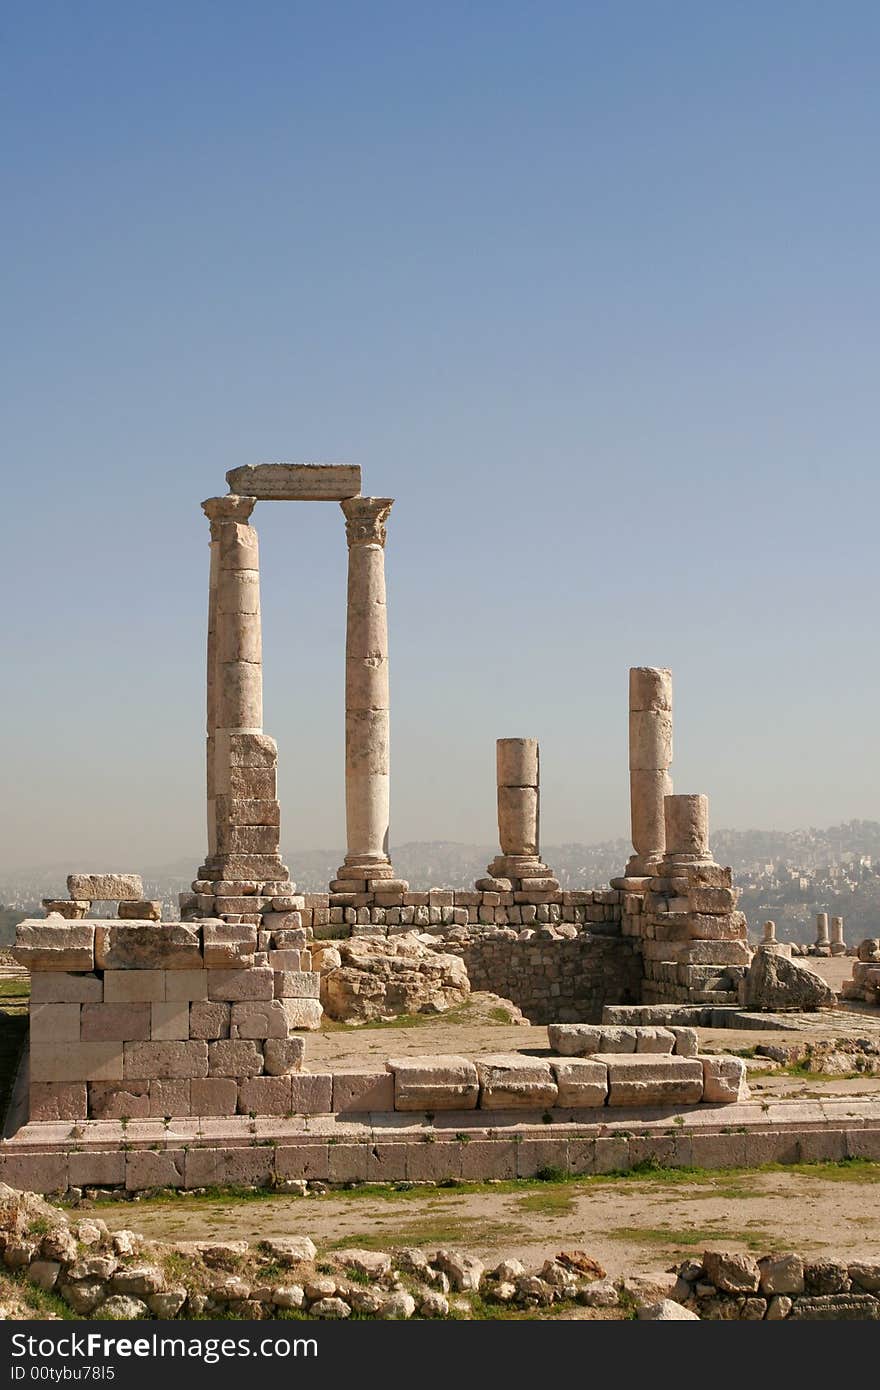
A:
x: 775, y: 983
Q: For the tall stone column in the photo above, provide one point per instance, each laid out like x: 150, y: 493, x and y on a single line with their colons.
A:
x: 518, y: 868
x: 838, y: 944
x: 243, y: 816
x: 650, y: 754
x: 822, y: 938
x: 367, y: 777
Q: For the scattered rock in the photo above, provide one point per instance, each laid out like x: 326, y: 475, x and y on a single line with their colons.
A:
x: 666, y: 1311
x: 775, y: 983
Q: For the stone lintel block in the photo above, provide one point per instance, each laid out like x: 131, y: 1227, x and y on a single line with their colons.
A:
x: 283, y: 1056
x: 643, y: 1079
x: 236, y: 986
x: 706, y: 927
x: 234, y: 1057
x: 713, y: 900
x: 580, y: 1083
x: 147, y: 946
x: 55, y: 945
x: 512, y: 1081
x: 434, y: 1083
x: 209, y: 1019
x: 296, y: 482
x: 258, y: 1019
x: 134, y: 986
x: 724, y: 1080
x: 297, y: 984
x: 116, y: 1022
x: 82, y: 1061
x: 114, y: 888
x: 265, y: 1095
x: 55, y: 1022
x: 228, y: 946
x: 216, y: 1095
x: 166, y: 1060
x: 63, y: 987
x: 169, y: 1021
x: 360, y: 1091
x: 169, y: 1098
x: 149, y: 910
x: 126, y: 1101
x: 52, y: 1100
x: 311, y: 1093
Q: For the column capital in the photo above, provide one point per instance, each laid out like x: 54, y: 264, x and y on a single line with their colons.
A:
x: 365, y: 519
x: 228, y: 508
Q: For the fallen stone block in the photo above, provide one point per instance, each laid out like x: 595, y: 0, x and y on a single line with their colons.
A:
x: 44, y: 945
x: 836, y: 1307
x: 147, y: 946
x: 781, y: 1274
x: 172, y: 1060
x: 725, y: 1082
x: 731, y: 1273
x: 774, y: 982
x: 665, y: 1310
x: 511, y: 1081
x: 100, y: 888
x: 643, y: 1079
x: 434, y: 1083
x: 580, y: 1083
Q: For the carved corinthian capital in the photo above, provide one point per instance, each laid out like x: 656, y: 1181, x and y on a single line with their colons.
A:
x: 365, y: 519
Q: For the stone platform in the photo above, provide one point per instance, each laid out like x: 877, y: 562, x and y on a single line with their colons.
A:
x: 383, y: 1147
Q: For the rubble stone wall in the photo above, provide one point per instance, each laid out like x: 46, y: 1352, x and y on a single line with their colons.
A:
x: 559, y: 981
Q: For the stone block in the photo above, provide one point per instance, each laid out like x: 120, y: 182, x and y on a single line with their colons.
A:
x: 705, y: 927
x: 257, y: 811
x: 252, y: 782
x: 724, y: 1080
x: 237, y: 986
x: 169, y: 1022
x: 145, y: 1168
x: 61, y: 987
x: 58, y: 1101
x: 297, y: 984
x: 186, y: 985
x: 228, y: 947
x: 235, y: 1058
x: 296, y: 482
x: 169, y: 1098
x: 708, y: 876
x: 512, y: 1081
x: 781, y: 1274
x: 35, y: 1172
x: 310, y: 1161
x: 230, y: 1167
x: 258, y: 1019
x: 147, y: 946
x: 209, y: 1019
x: 65, y: 907
x: 134, y: 986
x: 97, y: 1169
x: 44, y: 945
x: 580, y: 1083
x: 303, y: 1013
x: 434, y: 1083
x: 656, y: 1040
x: 116, y: 1022
x: 109, y: 1101
x: 643, y: 1079
x: 619, y: 1039
x: 485, y: 1159
x: 311, y: 1093
x: 289, y: 960
x: 82, y: 1061
x: 166, y: 1060
x: 574, y: 1039
x: 282, y: 1056
x: 213, y: 1096
x: 686, y: 1041
x: 265, y: 1095
x: 55, y: 1022
x: 361, y: 1091
x: 712, y: 900
x: 108, y: 888
x: 150, y: 910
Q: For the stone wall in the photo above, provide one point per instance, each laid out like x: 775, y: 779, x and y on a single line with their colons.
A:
x: 561, y: 981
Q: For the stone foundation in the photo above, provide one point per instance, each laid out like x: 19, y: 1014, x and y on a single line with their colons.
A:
x: 552, y: 980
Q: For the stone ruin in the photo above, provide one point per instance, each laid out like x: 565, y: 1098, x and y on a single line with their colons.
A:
x: 136, y: 1018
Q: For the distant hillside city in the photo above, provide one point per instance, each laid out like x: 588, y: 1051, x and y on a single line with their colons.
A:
x: 786, y: 875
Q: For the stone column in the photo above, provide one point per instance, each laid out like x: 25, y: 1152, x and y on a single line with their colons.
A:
x: 517, y: 770
x: 838, y: 945
x: 822, y: 938
x: 367, y: 781
x: 650, y: 754
x: 686, y: 824
x: 769, y: 933
x: 243, y: 814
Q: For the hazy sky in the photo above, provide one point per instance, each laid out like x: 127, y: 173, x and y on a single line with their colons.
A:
x: 590, y: 288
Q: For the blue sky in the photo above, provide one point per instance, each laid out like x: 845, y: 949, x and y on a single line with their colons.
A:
x: 590, y: 289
